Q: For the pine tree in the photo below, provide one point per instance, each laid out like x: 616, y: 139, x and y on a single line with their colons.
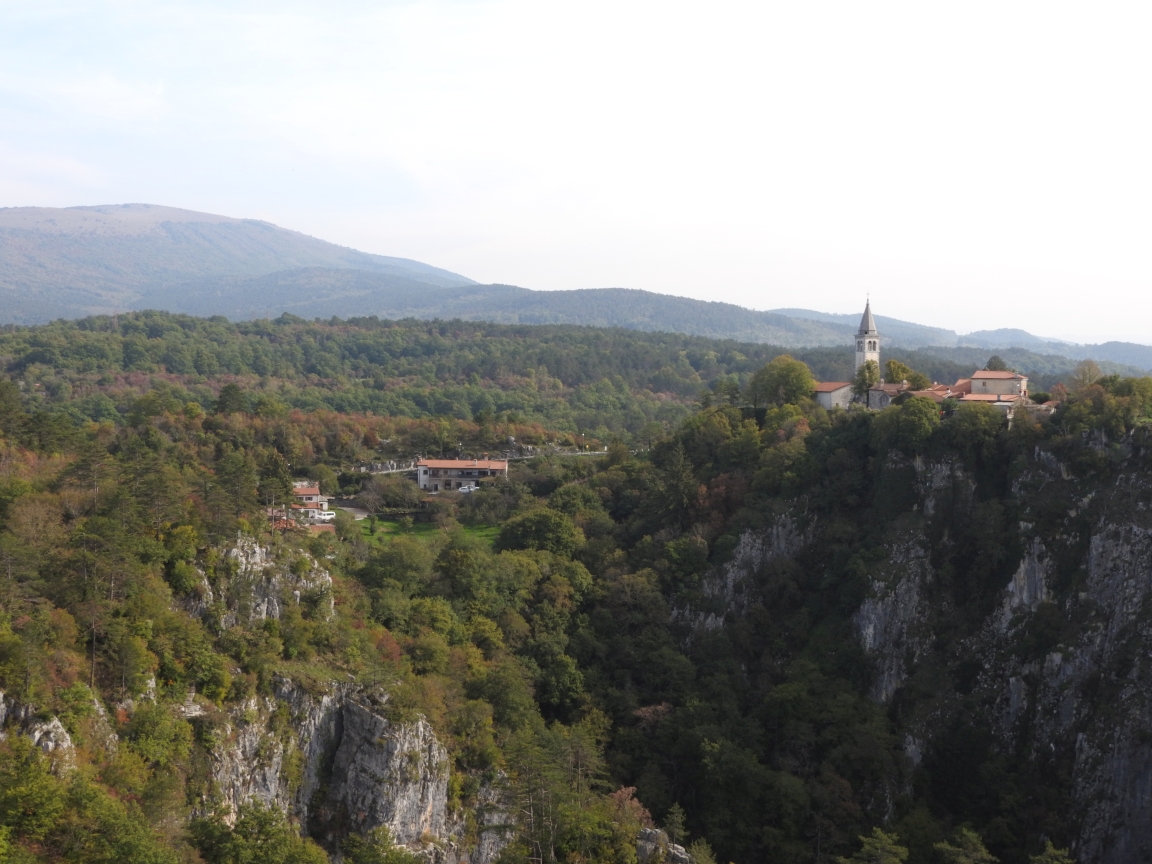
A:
x: 880, y: 848
x: 968, y: 849
x: 1052, y: 855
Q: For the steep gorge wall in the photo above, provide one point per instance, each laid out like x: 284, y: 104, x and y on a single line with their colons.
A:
x: 339, y: 766
x: 1061, y: 663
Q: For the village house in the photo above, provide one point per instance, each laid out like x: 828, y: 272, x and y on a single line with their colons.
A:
x: 435, y: 475
x: 999, y: 383
x: 881, y: 396
x: 308, y: 503
x: 834, y: 394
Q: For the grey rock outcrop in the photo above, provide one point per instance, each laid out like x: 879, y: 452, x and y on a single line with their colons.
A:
x: 891, y: 621
x: 259, y: 584
x: 48, y: 733
x: 654, y: 847
x: 339, y: 766
x: 388, y: 775
x: 731, y: 588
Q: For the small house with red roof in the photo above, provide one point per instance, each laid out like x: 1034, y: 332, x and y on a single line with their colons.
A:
x: 308, y: 502
x: 834, y: 394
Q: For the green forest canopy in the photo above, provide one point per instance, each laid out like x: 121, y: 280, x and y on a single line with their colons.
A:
x: 570, y: 642
x: 600, y: 381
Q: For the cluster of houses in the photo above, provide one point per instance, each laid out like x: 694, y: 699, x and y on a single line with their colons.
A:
x: 1004, y: 391
x: 309, y: 509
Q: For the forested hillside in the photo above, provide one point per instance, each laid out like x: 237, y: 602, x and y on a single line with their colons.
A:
x: 598, y: 381
x: 774, y: 632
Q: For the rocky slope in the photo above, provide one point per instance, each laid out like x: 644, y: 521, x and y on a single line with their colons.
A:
x: 338, y: 766
x: 327, y: 755
x: 1055, y: 666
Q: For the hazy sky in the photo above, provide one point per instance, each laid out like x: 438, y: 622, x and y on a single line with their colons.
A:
x: 972, y: 165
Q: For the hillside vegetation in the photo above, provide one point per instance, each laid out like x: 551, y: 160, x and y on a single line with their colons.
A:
x: 774, y: 633
x: 596, y: 381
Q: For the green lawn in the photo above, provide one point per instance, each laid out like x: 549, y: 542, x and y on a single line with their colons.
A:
x: 387, y: 529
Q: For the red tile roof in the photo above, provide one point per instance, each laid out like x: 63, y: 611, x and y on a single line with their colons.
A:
x: 462, y: 463
x: 831, y: 386
x: 933, y: 394
x: 306, y: 490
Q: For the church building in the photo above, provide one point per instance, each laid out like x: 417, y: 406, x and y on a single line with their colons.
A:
x: 867, y: 339
x: 1003, y: 390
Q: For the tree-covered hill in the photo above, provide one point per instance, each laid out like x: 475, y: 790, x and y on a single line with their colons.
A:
x: 777, y: 631
x: 600, y: 381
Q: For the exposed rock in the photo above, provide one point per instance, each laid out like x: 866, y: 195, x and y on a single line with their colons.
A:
x: 259, y: 586
x: 731, y: 587
x: 47, y: 734
x: 654, y: 847
x: 1028, y: 588
x: 341, y: 767
x: 892, y: 621
x: 51, y: 737
x: 273, y: 583
x: 390, y: 775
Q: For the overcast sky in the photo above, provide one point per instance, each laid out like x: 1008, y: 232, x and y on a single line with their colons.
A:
x: 972, y: 165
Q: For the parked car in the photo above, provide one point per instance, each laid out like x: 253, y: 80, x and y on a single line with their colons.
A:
x: 326, y: 516
x: 470, y: 487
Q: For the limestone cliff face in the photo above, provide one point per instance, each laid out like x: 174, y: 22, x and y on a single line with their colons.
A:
x: 258, y: 585
x: 891, y: 622
x: 654, y: 847
x: 731, y: 588
x: 1062, y: 661
x: 339, y: 766
x: 48, y: 733
x: 329, y: 756
x: 374, y: 756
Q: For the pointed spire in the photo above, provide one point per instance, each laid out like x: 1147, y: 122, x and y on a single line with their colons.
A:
x: 867, y: 324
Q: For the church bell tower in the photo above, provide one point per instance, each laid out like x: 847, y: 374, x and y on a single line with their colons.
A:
x: 867, y: 339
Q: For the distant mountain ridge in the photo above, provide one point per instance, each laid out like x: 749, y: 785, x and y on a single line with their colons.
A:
x: 76, y: 261
x: 323, y: 293
x: 909, y: 335
x: 904, y: 334
x: 79, y: 261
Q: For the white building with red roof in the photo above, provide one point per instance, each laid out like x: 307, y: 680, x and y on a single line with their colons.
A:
x: 308, y: 502
x: 442, y: 475
x: 999, y: 383
x: 834, y: 394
